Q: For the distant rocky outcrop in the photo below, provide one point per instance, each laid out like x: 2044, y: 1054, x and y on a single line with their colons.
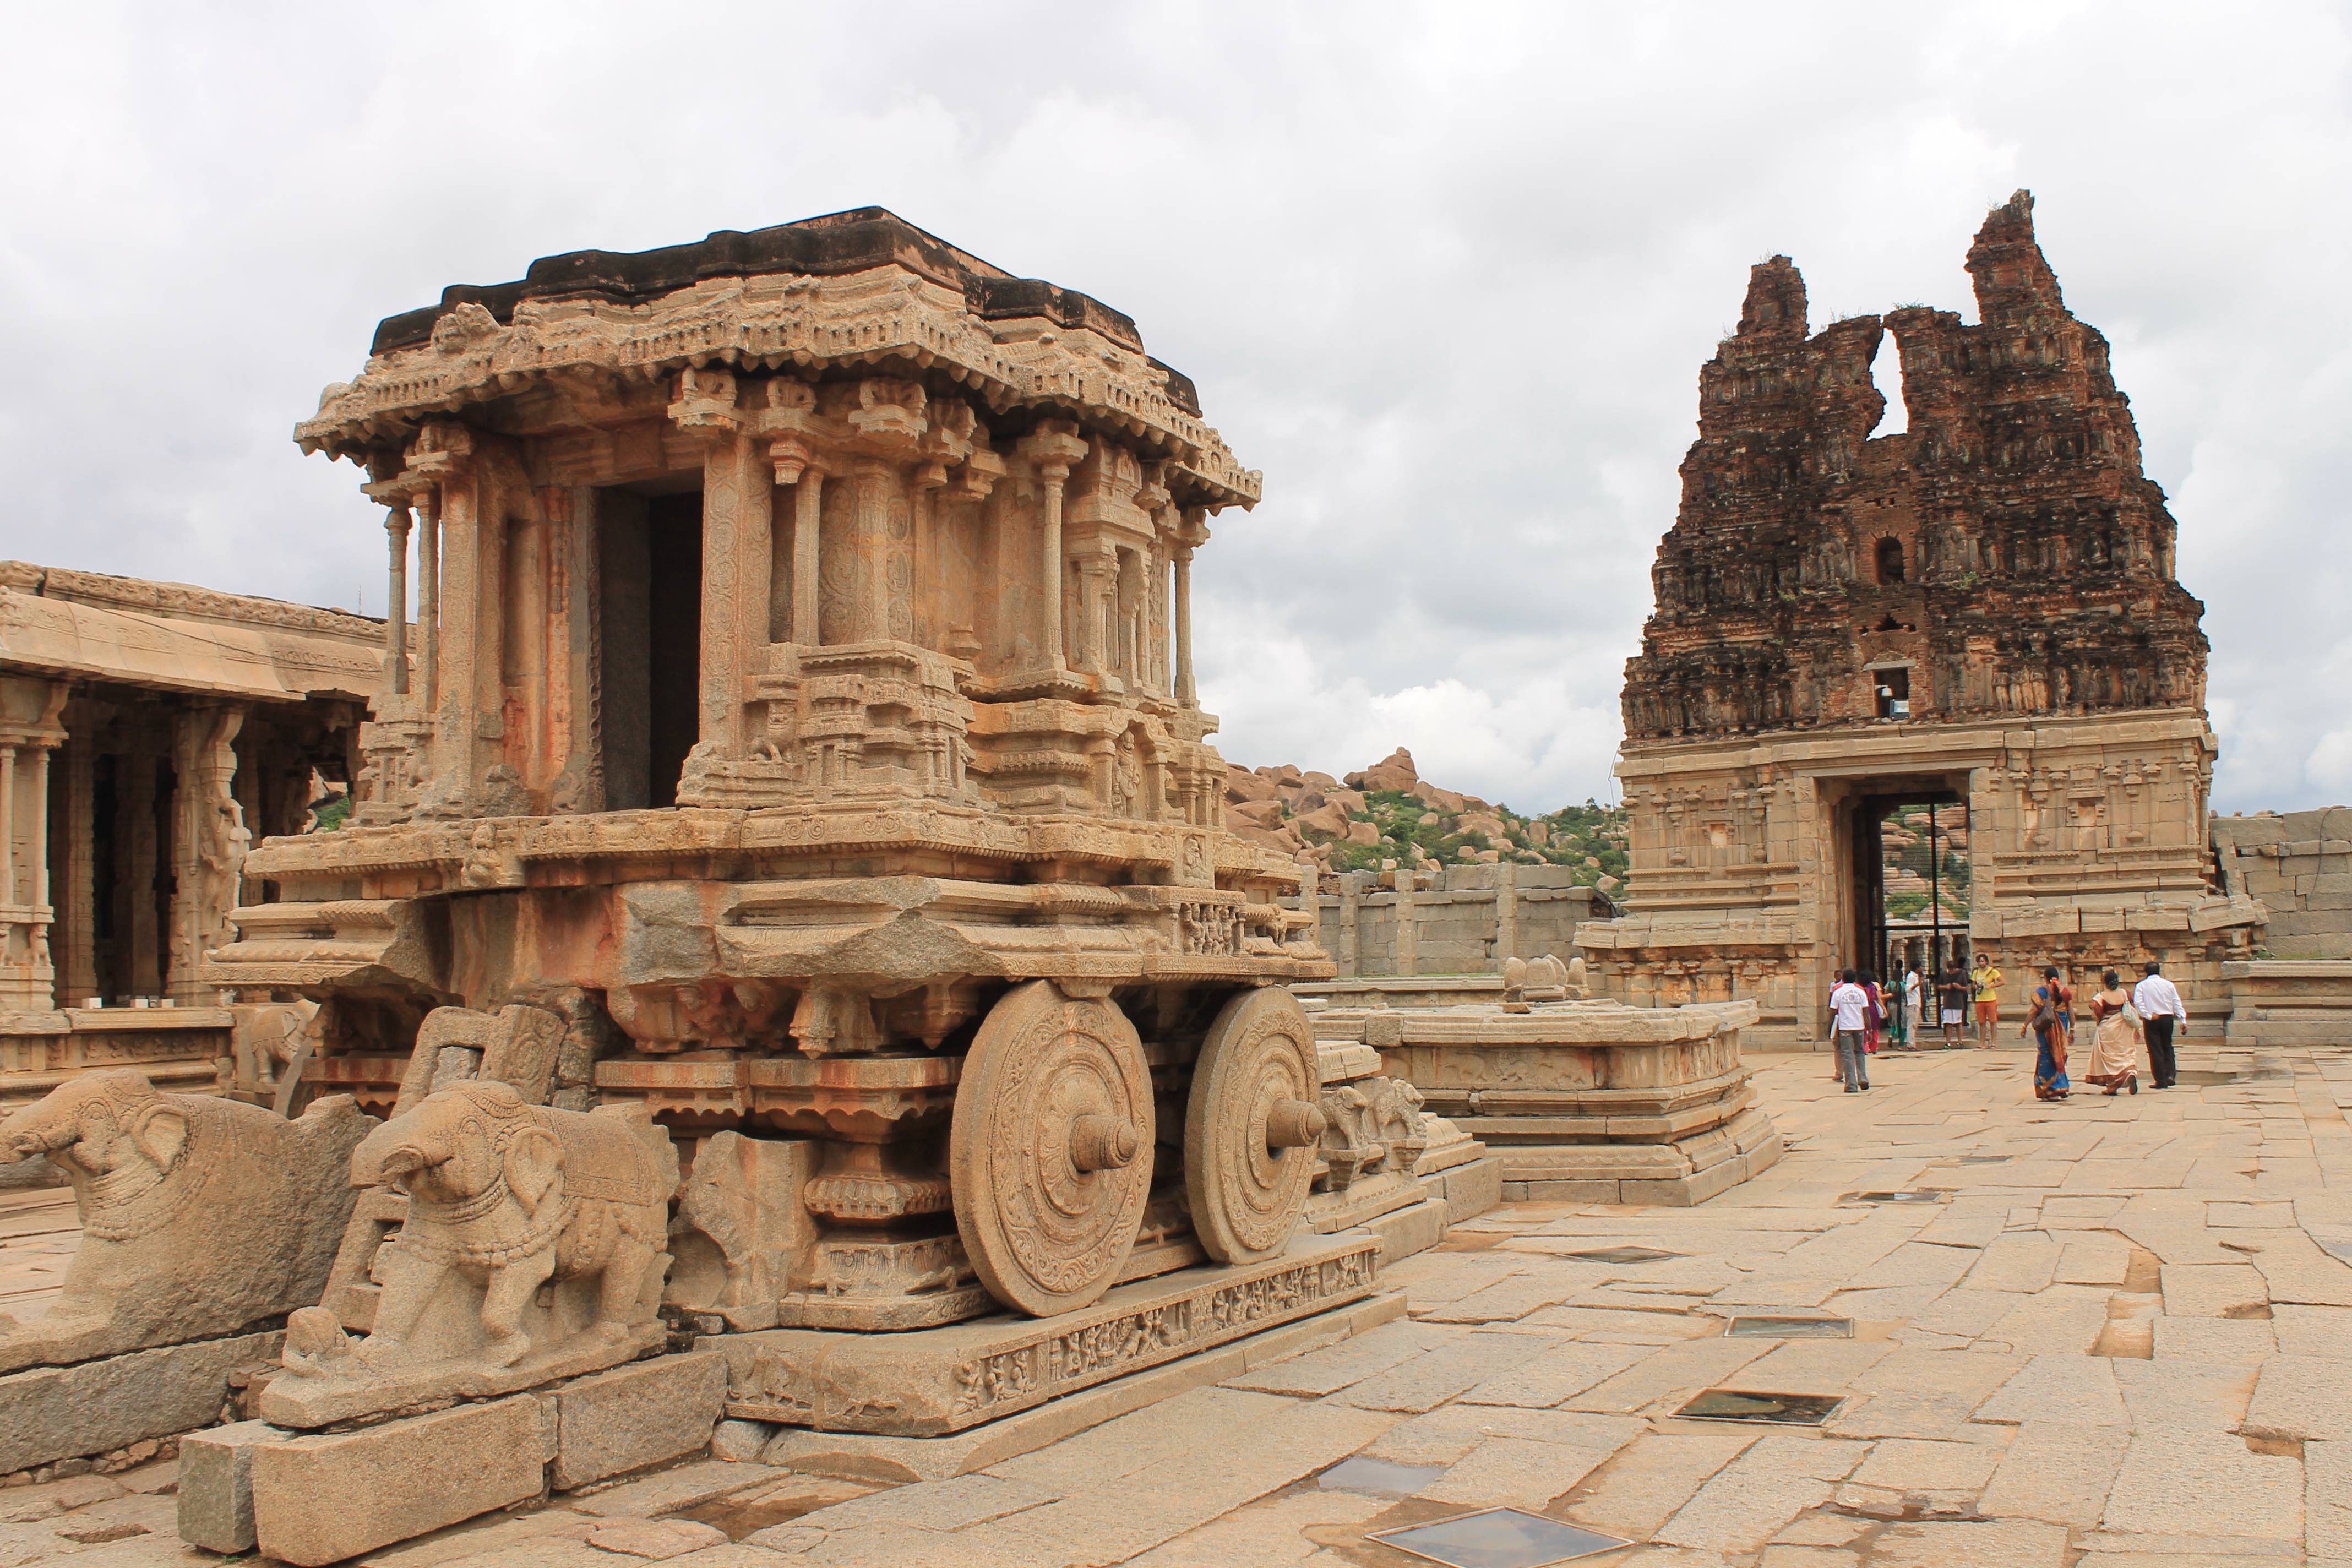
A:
x: 1387, y: 815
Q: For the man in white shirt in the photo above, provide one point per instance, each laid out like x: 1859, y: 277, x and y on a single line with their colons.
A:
x: 2157, y: 1003
x: 1848, y: 1003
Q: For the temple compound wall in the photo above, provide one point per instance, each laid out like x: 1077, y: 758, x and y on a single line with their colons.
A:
x: 1449, y: 920
x: 1981, y: 610
x: 149, y: 733
x: 2299, y: 864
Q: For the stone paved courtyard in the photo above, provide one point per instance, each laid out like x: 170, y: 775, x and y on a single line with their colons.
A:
x: 2117, y: 1335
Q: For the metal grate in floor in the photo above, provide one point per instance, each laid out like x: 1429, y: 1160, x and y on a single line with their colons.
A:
x: 1498, y: 1538
x: 1769, y: 1409
x: 1768, y: 1326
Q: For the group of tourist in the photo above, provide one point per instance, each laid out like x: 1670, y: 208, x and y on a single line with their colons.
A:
x: 1894, y: 1016
x: 1863, y: 1015
x: 2122, y: 1024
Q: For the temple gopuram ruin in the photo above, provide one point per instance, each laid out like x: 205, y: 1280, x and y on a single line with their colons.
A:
x: 1977, y: 615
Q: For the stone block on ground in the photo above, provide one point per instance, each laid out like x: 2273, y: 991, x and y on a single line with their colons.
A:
x: 216, y: 1491
x: 324, y: 1497
x: 1406, y: 1231
x: 55, y: 1413
x: 645, y: 1413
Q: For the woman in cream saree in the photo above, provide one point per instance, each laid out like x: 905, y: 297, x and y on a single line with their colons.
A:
x: 2116, y: 1042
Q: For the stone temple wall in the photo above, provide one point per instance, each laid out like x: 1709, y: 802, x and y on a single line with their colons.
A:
x: 1461, y: 920
x: 2300, y: 865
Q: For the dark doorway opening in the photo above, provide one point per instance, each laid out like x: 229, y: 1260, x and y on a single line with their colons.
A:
x: 1912, y: 878
x: 1894, y: 693
x: 650, y: 567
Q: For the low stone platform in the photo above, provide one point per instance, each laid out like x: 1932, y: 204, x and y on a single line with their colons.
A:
x: 948, y: 1379
x: 1584, y: 1101
x: 2278, y: 1002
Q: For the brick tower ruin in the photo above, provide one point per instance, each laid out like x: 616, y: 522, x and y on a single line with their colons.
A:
x: 1980, y: 610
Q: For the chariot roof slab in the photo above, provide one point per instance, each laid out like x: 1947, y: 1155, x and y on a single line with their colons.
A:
x: 586, y: 337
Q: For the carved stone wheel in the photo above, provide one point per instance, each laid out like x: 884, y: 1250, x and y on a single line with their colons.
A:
x: 1049, y: 1153
x: 1252, y: 1126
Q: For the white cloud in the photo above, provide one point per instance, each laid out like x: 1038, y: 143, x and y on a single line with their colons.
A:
x: 1446, y: 274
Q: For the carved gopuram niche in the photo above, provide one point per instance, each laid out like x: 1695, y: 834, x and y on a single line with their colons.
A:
x: 801, y: 710
x: 1980, y: 610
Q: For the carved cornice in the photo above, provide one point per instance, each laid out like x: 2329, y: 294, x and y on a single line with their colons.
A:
x: 889, y: 310
x: 180, y: 601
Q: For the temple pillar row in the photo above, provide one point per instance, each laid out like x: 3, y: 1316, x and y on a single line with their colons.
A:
x: 209, y: 840
x: 30, y: 731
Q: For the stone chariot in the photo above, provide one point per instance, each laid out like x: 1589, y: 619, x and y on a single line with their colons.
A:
x: 799, y: 718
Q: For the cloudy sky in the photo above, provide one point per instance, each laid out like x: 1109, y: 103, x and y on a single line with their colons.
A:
x: 1446, y: 273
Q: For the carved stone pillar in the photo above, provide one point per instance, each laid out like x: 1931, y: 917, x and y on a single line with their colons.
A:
x: 926, y: 572
x: 1098, y: 592
x: 870, y: 483
x: 1183, y: 557
x: 1053, y: 451
x: 808, y: 554
x: 1506, y: 913
x: 706, y: 409
x: 136, y: 838
x: 28, y: 730
x: 80, y: 924
x: 458, y: 719
x: 428, y: 591
x: 1191, y: 536
x: 395, y: 620
x: 208, y: 843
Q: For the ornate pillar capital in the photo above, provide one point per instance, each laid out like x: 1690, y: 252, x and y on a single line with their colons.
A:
x: 705, y: 404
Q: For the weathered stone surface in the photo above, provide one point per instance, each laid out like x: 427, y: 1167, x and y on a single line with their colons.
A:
x: 328, y: 1496
x: 199, y: 1216
x: 2300, y: 1396
x: 636, y: 1416
x: 2057, y: 1470
x: 98, y: 1406
x: 2205, y: 1483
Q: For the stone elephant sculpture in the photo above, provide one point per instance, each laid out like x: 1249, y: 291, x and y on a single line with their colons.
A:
x: 199, y: 1216
x: 508, y: 1195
